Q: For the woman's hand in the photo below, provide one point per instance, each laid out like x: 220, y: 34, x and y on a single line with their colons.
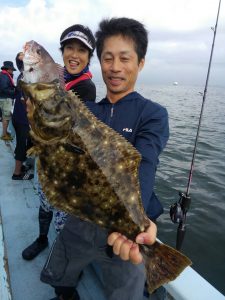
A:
x: 127, y: 249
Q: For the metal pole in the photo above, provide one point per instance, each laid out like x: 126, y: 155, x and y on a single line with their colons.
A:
x: 203, y: 102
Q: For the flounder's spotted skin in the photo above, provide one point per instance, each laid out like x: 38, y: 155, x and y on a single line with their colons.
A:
x: 87, y: 169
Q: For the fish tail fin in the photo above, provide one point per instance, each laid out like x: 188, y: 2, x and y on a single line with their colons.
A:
x: 162, y: 263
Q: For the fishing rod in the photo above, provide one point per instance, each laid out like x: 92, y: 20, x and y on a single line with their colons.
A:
x: 179, y: 209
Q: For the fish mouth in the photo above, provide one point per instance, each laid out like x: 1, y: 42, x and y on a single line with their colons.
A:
x: 31, y: 68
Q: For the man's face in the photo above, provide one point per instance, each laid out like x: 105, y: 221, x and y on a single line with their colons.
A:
x: 21, y: 56
x: 120, y: 67
x: 10, y: 71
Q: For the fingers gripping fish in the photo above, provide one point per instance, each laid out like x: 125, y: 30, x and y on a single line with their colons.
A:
x: 86, y: 168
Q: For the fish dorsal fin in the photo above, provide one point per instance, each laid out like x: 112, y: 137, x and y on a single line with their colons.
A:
x: 60, y: 70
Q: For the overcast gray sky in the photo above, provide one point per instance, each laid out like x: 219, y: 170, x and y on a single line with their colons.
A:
x: 179, y: 31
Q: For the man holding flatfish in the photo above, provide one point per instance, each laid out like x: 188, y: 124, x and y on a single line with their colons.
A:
x: 97, y: 161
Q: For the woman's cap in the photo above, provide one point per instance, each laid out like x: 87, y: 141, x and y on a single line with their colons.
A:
x: 81, y: 33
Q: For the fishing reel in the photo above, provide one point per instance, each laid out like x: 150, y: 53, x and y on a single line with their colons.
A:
x: 176, y: 213
x: 179, y: 209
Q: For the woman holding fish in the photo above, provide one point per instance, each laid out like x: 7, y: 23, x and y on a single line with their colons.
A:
x: 77, y: 47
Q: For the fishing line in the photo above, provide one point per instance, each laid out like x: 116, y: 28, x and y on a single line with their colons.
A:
x: 179, y: 209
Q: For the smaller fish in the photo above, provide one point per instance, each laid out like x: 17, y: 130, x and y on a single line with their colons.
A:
x: 39, y: 66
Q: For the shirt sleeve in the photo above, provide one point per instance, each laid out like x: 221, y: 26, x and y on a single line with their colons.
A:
x: 7, y: 90
x: 151, y: 138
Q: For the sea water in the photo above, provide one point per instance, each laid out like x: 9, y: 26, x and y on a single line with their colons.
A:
x: 204, y: 242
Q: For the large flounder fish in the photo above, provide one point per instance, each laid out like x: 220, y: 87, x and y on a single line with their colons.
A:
x: 89, y: 170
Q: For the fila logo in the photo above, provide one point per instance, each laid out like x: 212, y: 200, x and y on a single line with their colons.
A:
x: 127, y: 129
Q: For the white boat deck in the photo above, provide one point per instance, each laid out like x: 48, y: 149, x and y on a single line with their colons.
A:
x: 19, y: 279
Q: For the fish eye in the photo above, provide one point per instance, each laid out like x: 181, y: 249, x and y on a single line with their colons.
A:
x: 39, y: 51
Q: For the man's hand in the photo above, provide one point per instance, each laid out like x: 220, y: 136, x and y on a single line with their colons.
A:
x: 127, y: 249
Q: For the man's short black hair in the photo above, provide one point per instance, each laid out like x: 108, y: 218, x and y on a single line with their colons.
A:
x: 126, y: 27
